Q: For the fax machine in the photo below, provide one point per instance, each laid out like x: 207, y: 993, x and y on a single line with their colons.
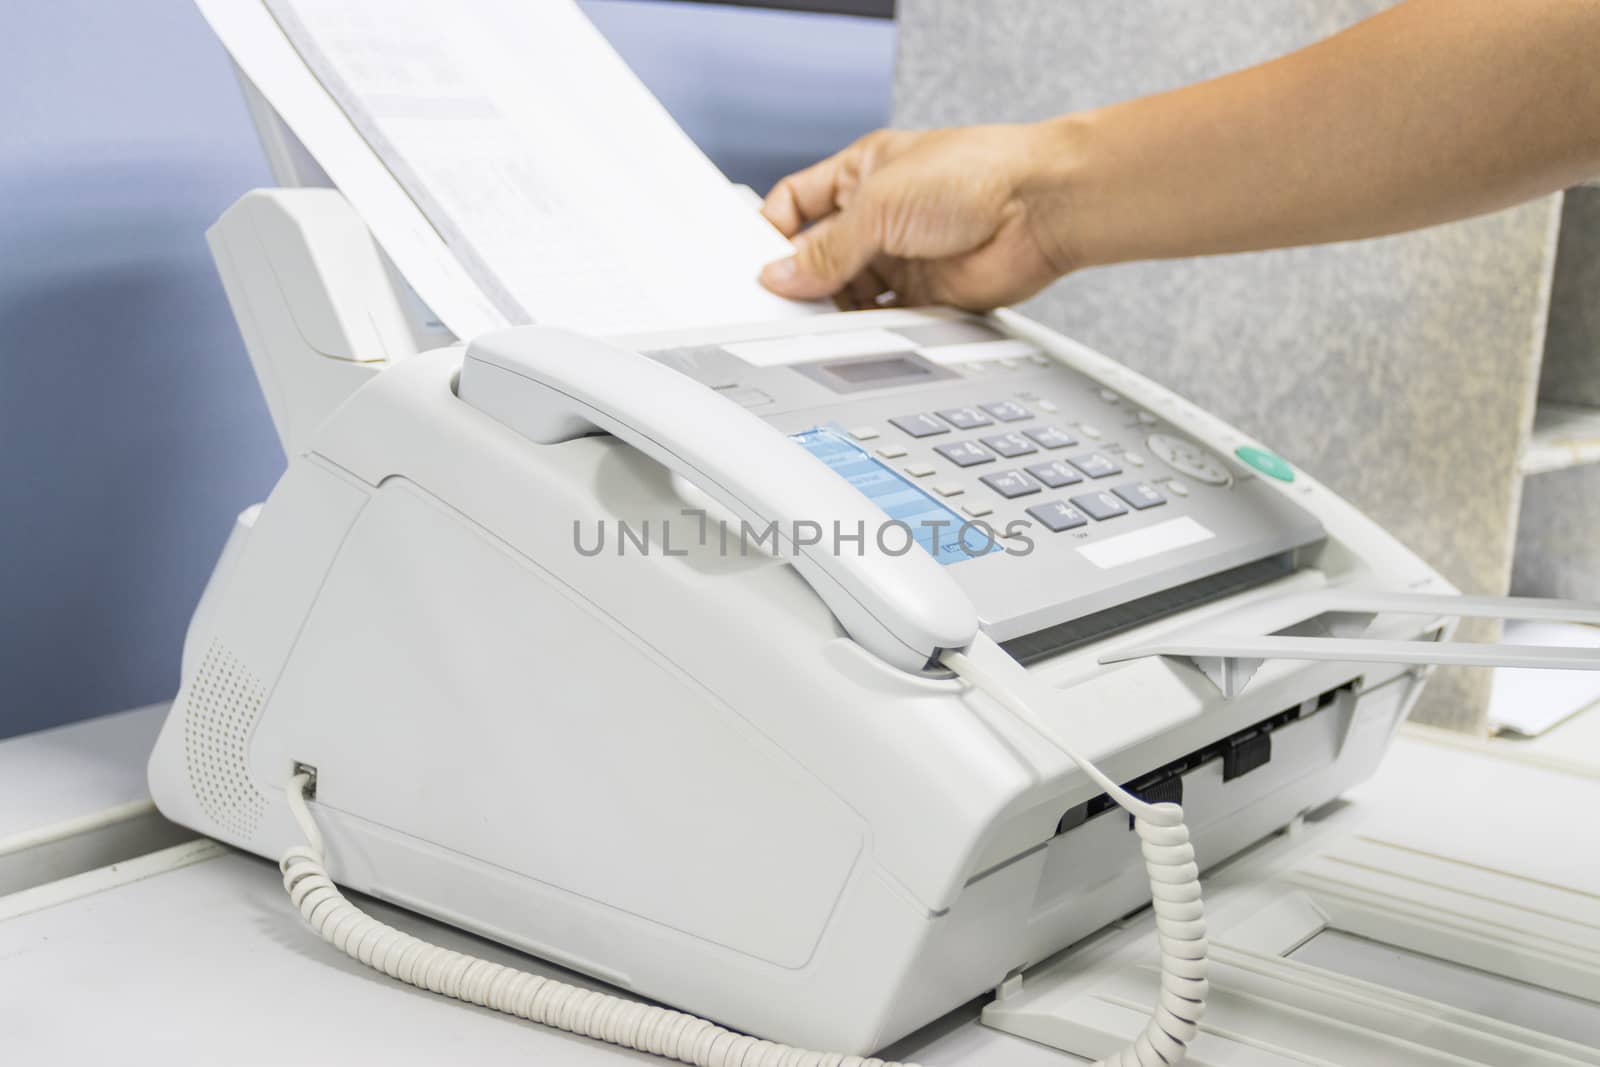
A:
x: 516, y: 606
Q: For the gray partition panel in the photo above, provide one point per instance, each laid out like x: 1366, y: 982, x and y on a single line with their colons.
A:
x: 1572, y: 350
x: 1558, y: 541
x: 1401, y: 371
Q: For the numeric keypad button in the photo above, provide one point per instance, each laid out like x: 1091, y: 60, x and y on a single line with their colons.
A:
x: 1010, y: 444
x: 965, y: 418
x: 1008, y: 411
x: 1055, y: 474
x: 1095, y: 464
x: 1010, y: 484
x: 1100, y: 506
x: 1051, y: 437
x: 1058, y: 515
x: 965, y: 453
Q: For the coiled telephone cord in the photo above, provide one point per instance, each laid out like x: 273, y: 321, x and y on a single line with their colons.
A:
x: 1168, y: 856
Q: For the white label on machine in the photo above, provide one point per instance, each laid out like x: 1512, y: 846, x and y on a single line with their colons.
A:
x: 1142, y: 544
x: 980, y: 351
x: 803, y: 348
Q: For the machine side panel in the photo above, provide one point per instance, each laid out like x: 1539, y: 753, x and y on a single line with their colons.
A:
x: 448, y: 689
x: 198, y: 771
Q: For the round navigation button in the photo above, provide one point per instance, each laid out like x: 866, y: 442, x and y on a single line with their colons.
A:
x: 1268, y: 463
x: 1186, y: 457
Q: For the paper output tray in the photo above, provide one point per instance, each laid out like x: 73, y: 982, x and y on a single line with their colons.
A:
x: 1230, y: 660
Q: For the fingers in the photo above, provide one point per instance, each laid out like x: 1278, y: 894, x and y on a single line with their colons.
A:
x: 826, y: 257
x: 808, y: 195
x: 813, y: 194
x: 866, y: 290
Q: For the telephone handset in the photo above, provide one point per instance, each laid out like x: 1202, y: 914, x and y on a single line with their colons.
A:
x: 553, y: 385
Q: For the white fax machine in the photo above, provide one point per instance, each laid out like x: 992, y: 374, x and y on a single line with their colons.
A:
x: 627, y: 652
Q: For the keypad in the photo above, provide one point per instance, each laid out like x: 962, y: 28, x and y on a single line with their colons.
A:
x: 1095, y: 464
x: 1055, y: 474
x: 965, y: 453
x: 978, y: 449
x: 1010, y: 444
x: 1051, y: 437
x: 1100, y: 506
x: 1010, y: 484
x: 1140, y: 495
x: 919, y: 425
x: 1008, y: 411
x: 965, y: 418
x: 1057, y: 515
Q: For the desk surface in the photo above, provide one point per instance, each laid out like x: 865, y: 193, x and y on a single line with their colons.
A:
x: 74, y: 771
x: 194, y: 954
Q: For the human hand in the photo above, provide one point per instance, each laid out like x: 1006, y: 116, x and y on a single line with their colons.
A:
x: 971, y: 216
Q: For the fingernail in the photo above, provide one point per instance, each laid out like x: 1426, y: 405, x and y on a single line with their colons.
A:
x: 778, y: 271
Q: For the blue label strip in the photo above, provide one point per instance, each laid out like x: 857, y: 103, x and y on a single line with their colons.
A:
x: 899, y: 499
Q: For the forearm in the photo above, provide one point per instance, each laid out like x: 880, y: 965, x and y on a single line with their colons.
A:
x: 1432, y: 111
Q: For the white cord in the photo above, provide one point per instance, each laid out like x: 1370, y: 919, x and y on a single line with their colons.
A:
x: 1174, y: 893
x: 614, y: 1020
x: 1168, y: 856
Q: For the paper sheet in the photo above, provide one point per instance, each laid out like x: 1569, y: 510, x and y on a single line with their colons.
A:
x: 1531, y: 702
x: 509, y: 162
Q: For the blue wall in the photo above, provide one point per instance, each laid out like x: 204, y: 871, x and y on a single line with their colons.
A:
x: 131, y: 430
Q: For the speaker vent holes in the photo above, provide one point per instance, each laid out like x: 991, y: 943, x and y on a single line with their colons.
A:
x: 223, y: 703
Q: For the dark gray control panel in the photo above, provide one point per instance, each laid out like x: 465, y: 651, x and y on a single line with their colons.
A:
x: 1051, y: 497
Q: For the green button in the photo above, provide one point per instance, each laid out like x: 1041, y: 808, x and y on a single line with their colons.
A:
x: 1268, y: 463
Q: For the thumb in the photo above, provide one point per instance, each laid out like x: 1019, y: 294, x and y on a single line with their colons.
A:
x: 826, y: 257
